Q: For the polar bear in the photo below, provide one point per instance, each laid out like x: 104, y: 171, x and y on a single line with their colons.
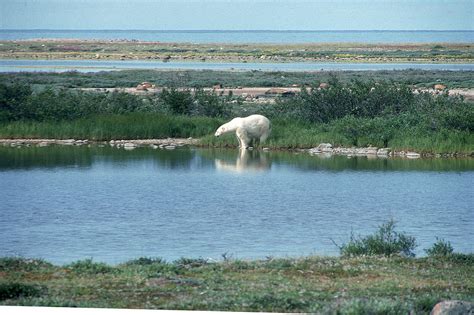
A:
x: 247, y: 129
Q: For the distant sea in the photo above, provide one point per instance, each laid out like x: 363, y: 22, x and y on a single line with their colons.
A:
x: 271, y: 37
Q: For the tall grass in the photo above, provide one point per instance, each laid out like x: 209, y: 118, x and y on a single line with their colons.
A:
x: 107, y: 127
x: 286, y: 133
x: 359, y: 132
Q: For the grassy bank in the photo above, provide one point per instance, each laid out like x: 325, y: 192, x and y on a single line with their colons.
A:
x: 286, y: 134
x: 108, y: 127
x: 358, y: 113
x: 361, y: 285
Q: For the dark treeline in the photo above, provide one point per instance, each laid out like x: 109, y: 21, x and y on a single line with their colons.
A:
x: 20, y: 102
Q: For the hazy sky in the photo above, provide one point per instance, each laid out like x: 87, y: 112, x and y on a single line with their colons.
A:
x: 238, y: 14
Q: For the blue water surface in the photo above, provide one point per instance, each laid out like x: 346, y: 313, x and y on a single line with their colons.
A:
x: 69, y: 203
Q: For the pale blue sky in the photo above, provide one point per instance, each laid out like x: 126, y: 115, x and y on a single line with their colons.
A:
x: 238, y: 14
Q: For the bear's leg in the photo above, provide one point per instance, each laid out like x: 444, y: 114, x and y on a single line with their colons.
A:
x: 238, y: 138
x: 264, y: 135
x: 243, y: 138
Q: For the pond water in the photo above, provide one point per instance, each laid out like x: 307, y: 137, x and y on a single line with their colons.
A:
x: 68, y: 203
x: 14, y: 65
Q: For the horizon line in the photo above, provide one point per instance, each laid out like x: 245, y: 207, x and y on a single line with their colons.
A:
x: 232, y: 30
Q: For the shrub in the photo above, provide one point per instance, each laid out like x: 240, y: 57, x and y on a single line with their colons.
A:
x: 386, y: 241
x: 145, y: 261
x: 23, y: 264
x: 209, y: 104
x: 190, y: 262
x: 87, y: 266
x: 359, y: 99
x: 177, y: 102
x: 15, y: 290
x: 441, y: 248
x: 12, y: 97
x: 122, y: 103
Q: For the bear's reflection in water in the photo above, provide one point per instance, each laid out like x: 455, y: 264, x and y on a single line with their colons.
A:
x: 246, y: 161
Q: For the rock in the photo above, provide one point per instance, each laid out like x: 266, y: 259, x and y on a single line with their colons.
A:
x: 129, y: 146
x: 323, y: 85
x: 170, y: 147
x: 412, y: 155
x: 439, y: 87
x: 371, y: 151
x: 43, y: 144
x: 383, y: 151
x: 324, y: 147
x: 141, y: 88
x: 68, y: 142
x: 146, y: 85
x: 453, y: 308
x: 153, y: 146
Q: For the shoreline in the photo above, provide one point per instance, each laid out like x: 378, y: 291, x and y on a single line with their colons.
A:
x: 323, y: 149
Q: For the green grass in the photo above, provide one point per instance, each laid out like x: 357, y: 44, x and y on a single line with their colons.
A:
x: 286, y: 133
x: 107, y: 127
x: 330, y: 285
x: 292, y: 134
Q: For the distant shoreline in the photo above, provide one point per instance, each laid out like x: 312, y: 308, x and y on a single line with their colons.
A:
x: 251, y: 36
x: 125, y: 49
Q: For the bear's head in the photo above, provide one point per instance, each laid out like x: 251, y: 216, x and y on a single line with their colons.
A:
x: 219, y: 131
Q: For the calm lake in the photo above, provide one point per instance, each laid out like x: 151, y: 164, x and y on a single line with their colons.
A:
x: 65, y: 203
x: 14, y: 65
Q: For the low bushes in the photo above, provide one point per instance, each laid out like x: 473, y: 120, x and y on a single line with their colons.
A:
x: 441, y: 248
x: 21, y: 103
x: 14, y: 290
x: 386, y: 241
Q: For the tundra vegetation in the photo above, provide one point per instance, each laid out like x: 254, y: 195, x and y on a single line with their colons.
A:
x: 232, y: 79
x: 380, y: 276
x: 324, y: 52
x: 353, y: 113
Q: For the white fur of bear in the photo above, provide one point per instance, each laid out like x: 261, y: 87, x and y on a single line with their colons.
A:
x: 247, y: 129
